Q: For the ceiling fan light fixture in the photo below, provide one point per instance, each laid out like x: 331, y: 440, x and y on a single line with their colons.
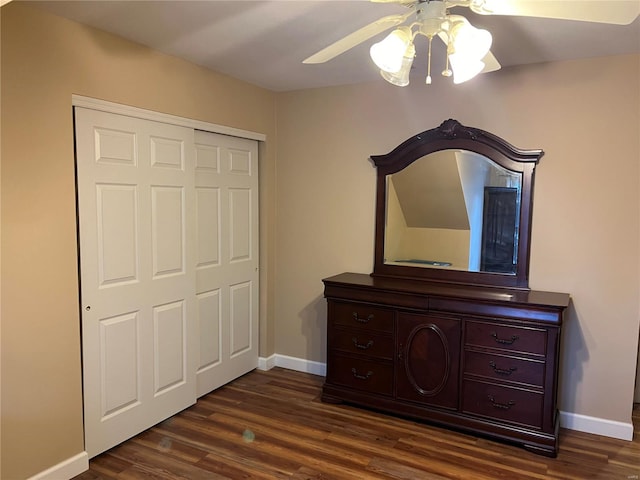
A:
x: 464, y: 67
x: 470, y: 41
x: 401, y: 77
x: 470, y: 45
x: 389, y: 53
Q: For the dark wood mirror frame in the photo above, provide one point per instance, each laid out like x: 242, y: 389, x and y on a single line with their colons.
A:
x: 453, y: 135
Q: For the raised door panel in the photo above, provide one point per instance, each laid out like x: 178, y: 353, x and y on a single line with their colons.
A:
x: 168, y: 230
x: 120, y: 349
x: 117, y: 235
x: 241, y: 316
x: 166, y: 152
x: 209, y: 229
x: 209, y: 318
x: 240, y: 224
x: 170, y: 349
x: 115, y: 146
x: 429, y: 354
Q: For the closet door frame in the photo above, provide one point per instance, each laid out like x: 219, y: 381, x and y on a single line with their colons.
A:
x: 141, y: 113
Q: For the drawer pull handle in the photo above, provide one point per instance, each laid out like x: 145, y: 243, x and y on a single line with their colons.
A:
x: 361, y: 377
x: 362, y: 346
x: 501, y: 406
x: 504, y: 341
x: 502, y: 371
x: 362, y: 320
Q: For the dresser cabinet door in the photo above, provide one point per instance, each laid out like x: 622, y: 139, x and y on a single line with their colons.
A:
x: 429, y: 359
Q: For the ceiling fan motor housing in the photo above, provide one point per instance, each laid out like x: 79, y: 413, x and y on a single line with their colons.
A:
x: 431, y: 14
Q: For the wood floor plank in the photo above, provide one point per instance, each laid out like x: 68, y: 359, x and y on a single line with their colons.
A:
x: 170, y: 447
x: 272, y: 425
x: 401, y: 471
x: 228, y: 444
x: 106, y: 467
x: 309, y: 450
x: 276, y: 419
x: 228, y: 467
x: 147, y: 463
x: 484, y: 460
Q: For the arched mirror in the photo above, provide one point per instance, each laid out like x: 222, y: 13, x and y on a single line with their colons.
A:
x: 454, y: 204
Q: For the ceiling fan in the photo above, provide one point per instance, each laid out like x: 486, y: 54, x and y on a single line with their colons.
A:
x: 468, y: 48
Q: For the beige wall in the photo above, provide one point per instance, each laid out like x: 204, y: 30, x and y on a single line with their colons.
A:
x: 437, y: 244
x: 584, y: 114
x: 45, y: 60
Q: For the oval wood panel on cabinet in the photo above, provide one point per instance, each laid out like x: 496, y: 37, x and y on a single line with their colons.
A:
x: 480, y: 359
x: 429, y: 358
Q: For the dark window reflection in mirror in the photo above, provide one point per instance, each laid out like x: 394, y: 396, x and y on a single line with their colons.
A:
x: 453, y: 209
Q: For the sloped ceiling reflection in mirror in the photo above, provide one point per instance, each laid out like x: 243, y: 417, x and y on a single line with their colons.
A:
x: 442, y: 204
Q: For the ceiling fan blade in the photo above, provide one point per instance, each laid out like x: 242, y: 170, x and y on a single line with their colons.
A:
x: 491, y: 64
x: 357, y: 37
x: 619, y: 12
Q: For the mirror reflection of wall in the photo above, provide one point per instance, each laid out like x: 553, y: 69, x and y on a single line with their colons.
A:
x: 436, y: 215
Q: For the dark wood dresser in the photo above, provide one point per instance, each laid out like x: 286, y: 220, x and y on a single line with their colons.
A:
x: 480, y: 359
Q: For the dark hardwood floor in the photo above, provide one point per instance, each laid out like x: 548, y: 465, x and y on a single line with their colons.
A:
x: 268, y: 425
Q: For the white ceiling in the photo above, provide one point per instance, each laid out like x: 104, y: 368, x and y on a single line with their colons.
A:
x: 264, y: 42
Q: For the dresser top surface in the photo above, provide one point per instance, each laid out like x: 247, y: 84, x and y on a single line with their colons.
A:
x: 472, y: 292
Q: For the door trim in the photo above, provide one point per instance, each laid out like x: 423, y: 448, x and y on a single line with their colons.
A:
x: 129, y: 111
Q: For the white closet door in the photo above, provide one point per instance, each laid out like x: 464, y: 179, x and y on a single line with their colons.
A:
x: 137, y: 255
x: 227, y: 258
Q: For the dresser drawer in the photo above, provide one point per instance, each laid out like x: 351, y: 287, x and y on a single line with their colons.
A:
x: 506, y: 337
x: 360, y: 374
x: 361, y: 315
x: 505, y: 367
x: 502, y: 403
x: 362, y: 342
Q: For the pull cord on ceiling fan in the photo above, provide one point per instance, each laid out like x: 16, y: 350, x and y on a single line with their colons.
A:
x: 468, y: 47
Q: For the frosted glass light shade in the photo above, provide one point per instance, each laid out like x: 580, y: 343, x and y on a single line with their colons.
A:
x: 471, y: 41
x: 401, y: 77
x: 464, y: 67
x: 469, y: 45
x: 388, y: 54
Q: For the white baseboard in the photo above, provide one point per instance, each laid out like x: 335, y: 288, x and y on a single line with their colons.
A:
x: 292, y: 363
x: 266, y: 363
x: 598, y: 426
x: 66, y: 469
